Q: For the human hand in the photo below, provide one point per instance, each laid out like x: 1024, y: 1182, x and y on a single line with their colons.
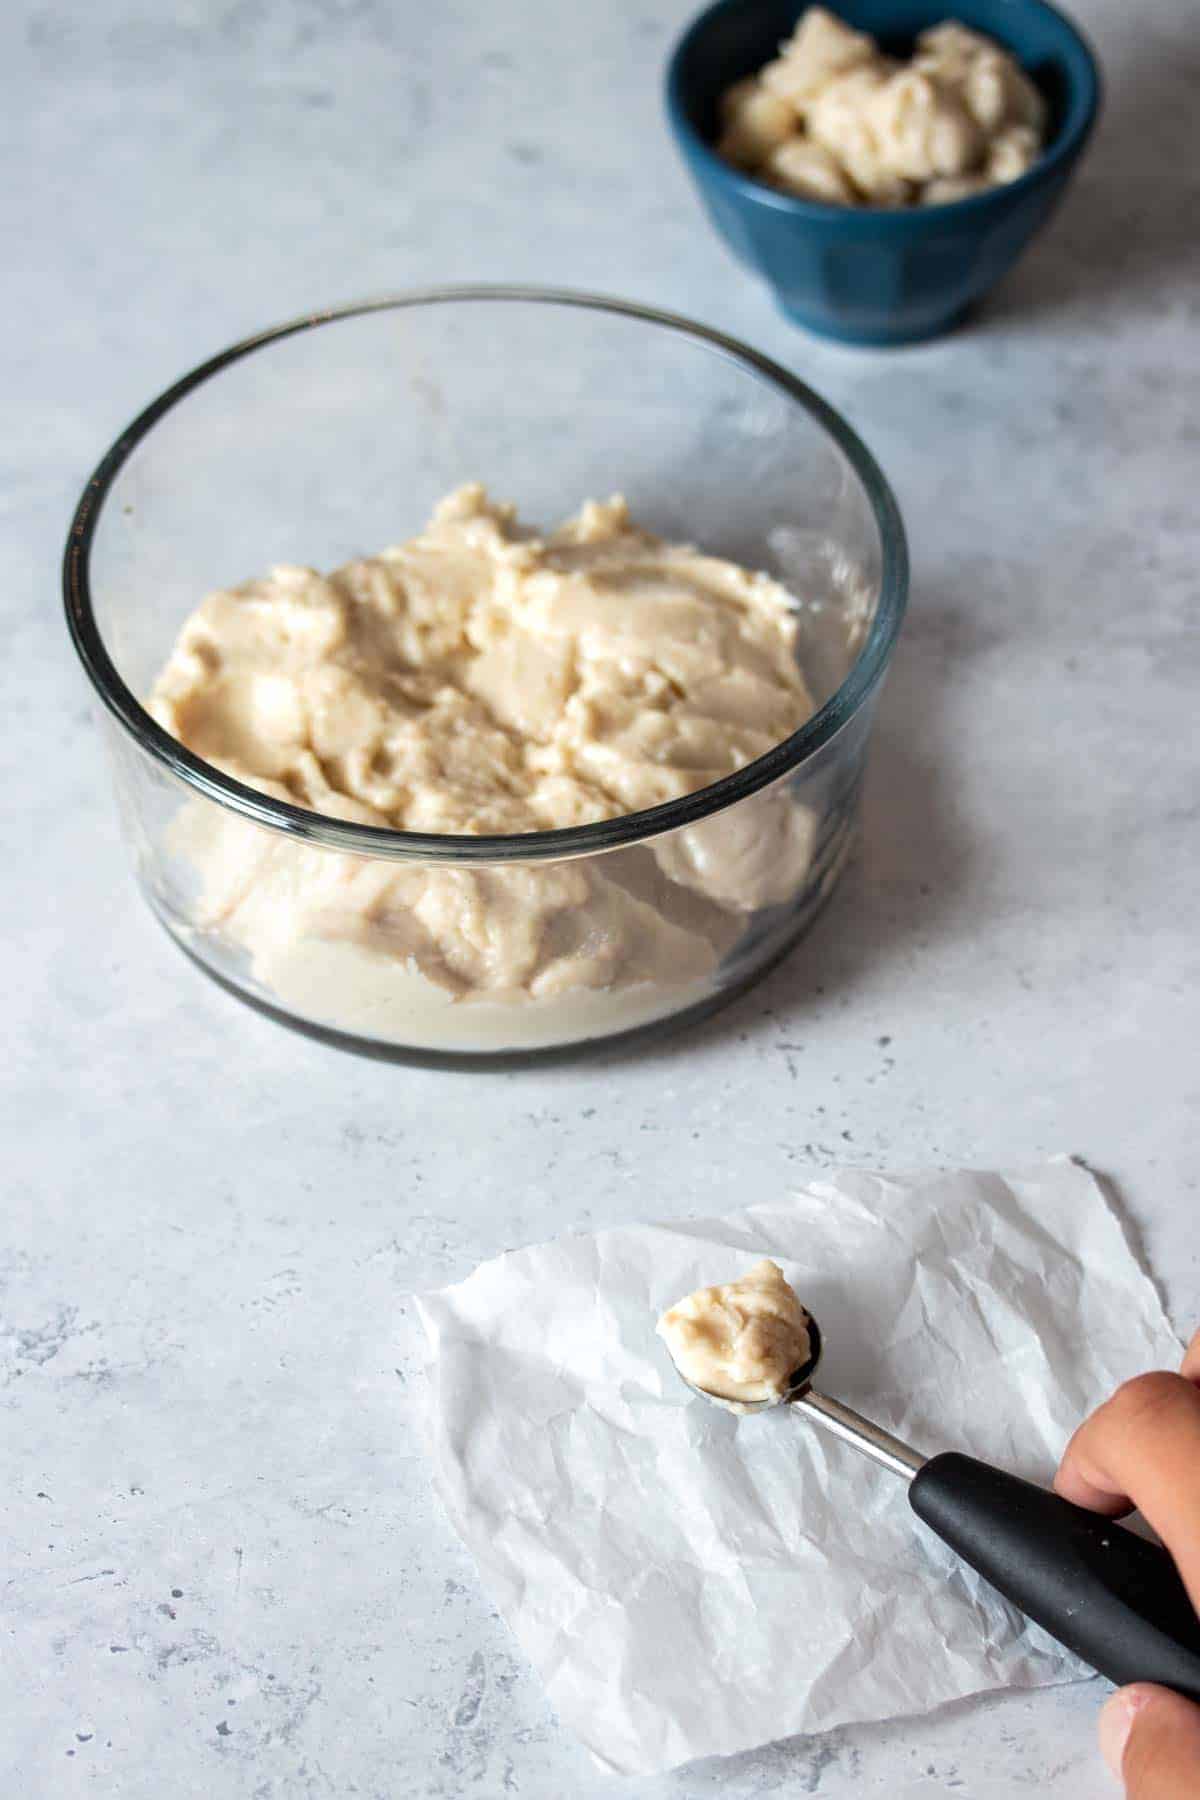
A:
x: 1142, y: 1449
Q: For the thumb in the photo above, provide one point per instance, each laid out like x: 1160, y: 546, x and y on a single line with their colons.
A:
x: 1151, y: 1741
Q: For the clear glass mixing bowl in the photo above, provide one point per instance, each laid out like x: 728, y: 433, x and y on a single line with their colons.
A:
x: 334, y: 435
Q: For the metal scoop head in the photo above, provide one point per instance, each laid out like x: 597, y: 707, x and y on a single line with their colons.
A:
x: 871, y: 1439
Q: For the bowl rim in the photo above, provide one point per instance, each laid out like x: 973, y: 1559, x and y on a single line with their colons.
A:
x: 1086, y: 98
x: 383, y: 841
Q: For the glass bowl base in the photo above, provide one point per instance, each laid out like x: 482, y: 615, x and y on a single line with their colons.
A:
x: 591, y: 1048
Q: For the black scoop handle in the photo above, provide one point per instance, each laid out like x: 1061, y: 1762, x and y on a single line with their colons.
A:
x: 1114, y: 1599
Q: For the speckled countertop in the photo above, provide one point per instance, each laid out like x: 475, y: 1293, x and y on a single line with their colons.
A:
x: 224, y: 1574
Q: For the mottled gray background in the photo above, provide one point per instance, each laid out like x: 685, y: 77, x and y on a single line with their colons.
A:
x: 223, y: 1572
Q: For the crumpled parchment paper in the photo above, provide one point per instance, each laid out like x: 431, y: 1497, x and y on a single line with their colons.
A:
x: 690, y: 1584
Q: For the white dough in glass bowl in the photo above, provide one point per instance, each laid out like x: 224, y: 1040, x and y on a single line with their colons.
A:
x: 483, y: 680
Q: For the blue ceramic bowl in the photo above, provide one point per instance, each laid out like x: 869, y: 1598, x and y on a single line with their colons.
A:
x: 863, y: 274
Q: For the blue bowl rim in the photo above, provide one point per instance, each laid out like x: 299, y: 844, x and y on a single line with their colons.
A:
x: 1086, y: 105
x: 868, y: 669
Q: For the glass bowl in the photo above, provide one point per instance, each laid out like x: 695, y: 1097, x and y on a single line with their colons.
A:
x: 334, y: 435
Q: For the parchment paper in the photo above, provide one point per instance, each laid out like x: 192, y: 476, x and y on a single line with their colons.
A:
x: 689, y: 1584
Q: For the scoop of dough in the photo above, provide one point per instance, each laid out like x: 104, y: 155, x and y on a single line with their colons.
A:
x: 734, y: 97
x: 742, y: 1341
x: 921, y: 127
x: 755, y: 123
x: 949, y: 49
x: 820, y: 47
x: 998, y: 93
x: 1012, y: 153
x: 801, y: 167
x: 840, y: 121
x: 994, y: 88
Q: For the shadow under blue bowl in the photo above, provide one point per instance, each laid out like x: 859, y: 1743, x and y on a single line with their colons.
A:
x: 864, y: 274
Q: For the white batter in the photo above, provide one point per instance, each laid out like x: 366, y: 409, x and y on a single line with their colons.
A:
x: 832, y: 118
x: 741, y: 1341
x: 482, y: 680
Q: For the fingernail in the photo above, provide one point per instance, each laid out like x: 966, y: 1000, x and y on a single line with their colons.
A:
x: 1116, y: 1722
